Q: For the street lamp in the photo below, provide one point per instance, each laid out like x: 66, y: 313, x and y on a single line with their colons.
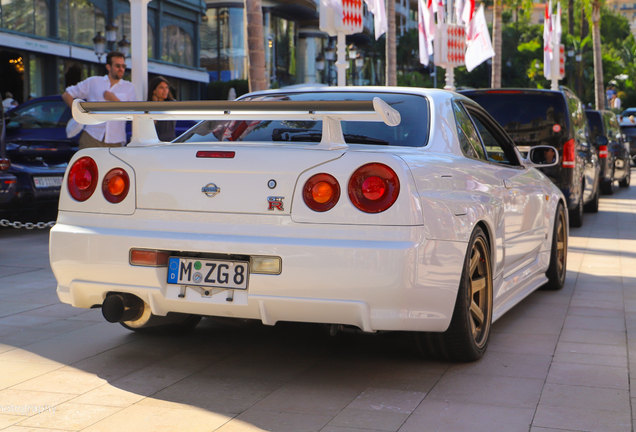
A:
x: 124, y: 46
x: 111, y: 33
x: 99, y: 43
x: 330, y: 56
x: 353, y: 51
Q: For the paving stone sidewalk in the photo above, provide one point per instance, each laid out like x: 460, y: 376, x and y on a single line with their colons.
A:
x: 559, y: 361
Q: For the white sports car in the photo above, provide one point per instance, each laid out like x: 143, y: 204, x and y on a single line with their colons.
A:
x: 374, y: 209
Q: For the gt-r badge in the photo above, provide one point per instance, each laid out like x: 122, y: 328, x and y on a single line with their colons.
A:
x: 211, y: 190
x: 275, y: 203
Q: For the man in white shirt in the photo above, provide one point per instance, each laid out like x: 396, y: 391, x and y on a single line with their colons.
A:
x: 104, y: 88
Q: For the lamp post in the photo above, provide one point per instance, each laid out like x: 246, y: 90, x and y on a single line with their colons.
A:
x: 124, y: 46
x: 111, y: 34
x: 99, y: 43
x: 353, y: 52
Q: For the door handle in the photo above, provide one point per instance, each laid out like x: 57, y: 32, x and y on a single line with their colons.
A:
x: 507, y: 184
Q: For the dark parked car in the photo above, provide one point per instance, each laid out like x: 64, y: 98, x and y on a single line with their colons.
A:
x: 613, y: 151
x: 629, y: 132
x: 555, y: 118
x: 37, y: 146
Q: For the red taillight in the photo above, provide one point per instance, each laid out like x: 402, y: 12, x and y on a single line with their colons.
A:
x: 569, y: 154
x: 149, y: 258
x: 373, y: 188
x: 216, y: 154
x: 321, y: 192
x: 602, y: 151
x: 5, y: 164
x: 116, y: 185
x: 82, y: 179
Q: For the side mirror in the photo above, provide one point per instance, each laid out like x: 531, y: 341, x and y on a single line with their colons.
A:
x: 601, y: 140
x: 542, y: 156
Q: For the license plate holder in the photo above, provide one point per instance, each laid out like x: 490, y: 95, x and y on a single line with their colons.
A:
x: 45, y: 182
x: 209, y: 273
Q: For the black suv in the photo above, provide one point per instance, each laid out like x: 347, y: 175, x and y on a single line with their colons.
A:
x: 557, y: 119
x: 613, y: 151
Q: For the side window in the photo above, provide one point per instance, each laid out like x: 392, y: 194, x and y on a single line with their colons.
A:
x: 468, y: 137
x: 494, y: 150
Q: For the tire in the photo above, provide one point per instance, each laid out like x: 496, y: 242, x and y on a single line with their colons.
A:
x: 154, y: 326
x: 592, y: 206
x: 576, y: 215
x: 607, y: 187
x: 625, y: 182
x: 466, y: 339
x: 558, y: 253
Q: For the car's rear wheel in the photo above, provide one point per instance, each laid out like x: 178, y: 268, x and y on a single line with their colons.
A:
x: 467, y: 336
x: 576, y: 214
x: 559, y: 253
x: 625, y: 182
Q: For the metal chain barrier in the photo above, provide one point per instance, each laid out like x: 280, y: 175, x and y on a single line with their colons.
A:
x: 27, y: 225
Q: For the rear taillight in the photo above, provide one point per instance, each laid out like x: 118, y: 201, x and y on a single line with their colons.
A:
x: 321, y: 192
x: 82, y: 179
x: 5, y: 164
x: 373, y: 188
x: 602, y: 151
x: 116, y: 185
x: 149, y: 258
x: 569, y: 154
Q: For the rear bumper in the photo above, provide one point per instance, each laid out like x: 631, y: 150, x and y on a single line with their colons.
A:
x: 375, y: 278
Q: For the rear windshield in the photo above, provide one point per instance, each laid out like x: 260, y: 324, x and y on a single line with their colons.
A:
x: 596, y: 124
x: 411, y: 132
x: 529, y: 119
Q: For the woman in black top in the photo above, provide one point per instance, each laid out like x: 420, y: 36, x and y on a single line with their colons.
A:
x: 159, y: 90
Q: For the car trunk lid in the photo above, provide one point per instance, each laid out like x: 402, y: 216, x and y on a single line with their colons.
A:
x: 258, y: 179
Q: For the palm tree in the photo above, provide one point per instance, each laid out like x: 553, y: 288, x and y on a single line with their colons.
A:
x: 599, y: 86
x: 255, y: 45
x: 391, y: 62
x: 495, y: 81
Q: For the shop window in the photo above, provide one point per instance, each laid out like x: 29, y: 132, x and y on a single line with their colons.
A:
x: 223, y: 51
x: 26, y: 16
x: 80, y: 22
x: 123, y: 29
x: 282, y: 51
x: 176, y: 46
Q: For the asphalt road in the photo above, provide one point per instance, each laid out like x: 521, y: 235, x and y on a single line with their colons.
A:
x: 559, y: 361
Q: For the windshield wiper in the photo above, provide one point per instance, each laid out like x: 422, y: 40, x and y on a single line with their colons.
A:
x: 284, y: 134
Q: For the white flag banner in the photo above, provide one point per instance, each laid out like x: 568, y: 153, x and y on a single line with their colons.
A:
x: 478, y: 41
x: 378, y: 9
x: 547, y: 41
x: 425, y: 29
x: 468, y: 11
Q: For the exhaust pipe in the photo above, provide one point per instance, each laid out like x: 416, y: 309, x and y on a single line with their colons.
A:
x: 122, y: 307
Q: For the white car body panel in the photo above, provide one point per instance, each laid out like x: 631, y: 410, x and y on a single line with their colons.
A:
x: 395, y: 270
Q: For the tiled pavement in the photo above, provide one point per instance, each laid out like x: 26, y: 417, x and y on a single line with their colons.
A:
x: 559, y: 361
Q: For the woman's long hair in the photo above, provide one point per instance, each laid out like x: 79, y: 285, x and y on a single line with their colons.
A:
x: 152, y: 85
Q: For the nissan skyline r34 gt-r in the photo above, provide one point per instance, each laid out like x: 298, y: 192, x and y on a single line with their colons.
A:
x: 375, y: 208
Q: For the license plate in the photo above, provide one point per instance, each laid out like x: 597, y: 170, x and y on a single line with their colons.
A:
x: 208, y: 273
x: 42, y: 182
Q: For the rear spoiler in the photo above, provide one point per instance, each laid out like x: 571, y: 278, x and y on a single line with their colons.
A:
x: 331, y: 113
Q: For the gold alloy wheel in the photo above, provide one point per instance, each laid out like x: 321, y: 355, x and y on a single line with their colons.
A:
x: 480, y: 292
x: 561, y: 244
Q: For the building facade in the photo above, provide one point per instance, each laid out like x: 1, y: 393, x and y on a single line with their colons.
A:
x: 47, y: 45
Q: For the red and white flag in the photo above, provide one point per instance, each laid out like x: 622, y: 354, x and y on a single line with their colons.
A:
x: 378, y: 9
x: 547, y: 41
x: 425, y: 28
x: 467, y: 12
x: 478, y: 41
